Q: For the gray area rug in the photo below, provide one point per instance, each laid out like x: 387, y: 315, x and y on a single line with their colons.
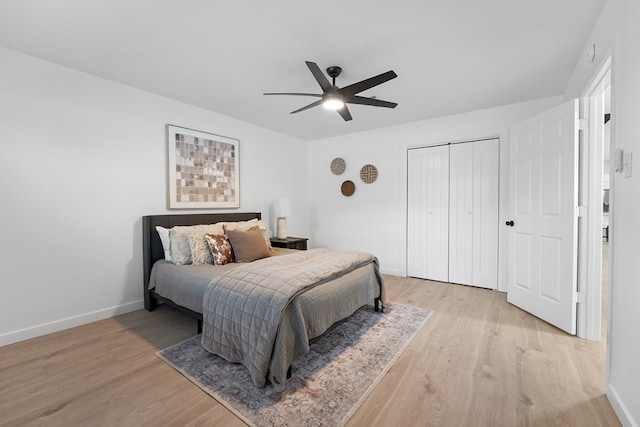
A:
x: 328, y: 384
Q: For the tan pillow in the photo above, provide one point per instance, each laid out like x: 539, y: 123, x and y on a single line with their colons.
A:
x: 248, y: 245
x: 246, y: 225
x: 221, y: 249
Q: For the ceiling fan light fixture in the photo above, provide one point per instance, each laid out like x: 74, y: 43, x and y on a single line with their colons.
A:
x: 336, y: 98
x: 333, y: 103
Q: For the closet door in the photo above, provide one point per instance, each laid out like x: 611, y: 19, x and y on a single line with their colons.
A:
x: 485, y: 213
x: 428, y: 213
x: 461, y: 213
x: 473, y: 218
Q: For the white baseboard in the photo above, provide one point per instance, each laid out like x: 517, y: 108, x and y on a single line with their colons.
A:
x: 392, y: 272
x: 69, y: 322
x: 625, y: 417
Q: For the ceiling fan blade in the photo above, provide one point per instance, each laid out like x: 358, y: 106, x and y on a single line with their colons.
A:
x: 344, y: 112
x: 367, y: 84
x: 313, y: 104
x: 319, y: 75
x: 296, y: 94
x: 355, y: 99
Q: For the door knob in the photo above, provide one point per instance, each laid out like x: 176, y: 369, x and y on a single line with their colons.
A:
x: 510, y: 223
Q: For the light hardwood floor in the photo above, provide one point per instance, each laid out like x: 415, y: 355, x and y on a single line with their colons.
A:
x: 479, y: 361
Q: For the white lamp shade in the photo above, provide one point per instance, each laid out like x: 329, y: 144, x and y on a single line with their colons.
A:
x: 281, y: 208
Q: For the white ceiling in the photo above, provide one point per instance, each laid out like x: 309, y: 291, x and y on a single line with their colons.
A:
x: 451, y: 56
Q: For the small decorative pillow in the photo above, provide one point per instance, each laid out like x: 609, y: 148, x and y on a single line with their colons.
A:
x: 221, y: 249
x: 248, y: 245
x: 199, y: 247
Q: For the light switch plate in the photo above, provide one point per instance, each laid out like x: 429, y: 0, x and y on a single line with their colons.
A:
x: 627, y: 164
x: 618, y: 159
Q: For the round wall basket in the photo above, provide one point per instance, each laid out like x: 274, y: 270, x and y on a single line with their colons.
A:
x: 338, y: 166
x: 348, y: 188
x: 368, y: 174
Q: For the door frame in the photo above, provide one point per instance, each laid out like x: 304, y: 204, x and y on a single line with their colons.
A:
x: 589, y: 314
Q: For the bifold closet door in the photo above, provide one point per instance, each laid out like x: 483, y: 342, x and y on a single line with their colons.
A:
x: 473, y: 217
x: 486, y: 164
x: 461, y: 214
x: 428, y: 213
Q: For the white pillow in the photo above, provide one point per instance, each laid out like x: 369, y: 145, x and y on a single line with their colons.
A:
x: 164, y: 238
x: 244, y: 225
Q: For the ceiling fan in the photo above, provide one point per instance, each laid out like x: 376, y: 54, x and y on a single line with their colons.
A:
x: 335, y: 98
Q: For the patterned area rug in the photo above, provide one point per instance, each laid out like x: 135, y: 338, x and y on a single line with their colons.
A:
x: 328, y: 384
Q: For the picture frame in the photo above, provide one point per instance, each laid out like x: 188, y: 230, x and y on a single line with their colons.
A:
x: 203, y: 169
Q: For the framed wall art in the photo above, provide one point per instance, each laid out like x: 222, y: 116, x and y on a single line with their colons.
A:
x: 203, y: 169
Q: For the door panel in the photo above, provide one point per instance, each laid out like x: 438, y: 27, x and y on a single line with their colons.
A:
x: 523, y: 169
x: 542, y: 276
x: 522, y: 257
x: 428, y: 213
x: 551, y: 253
x: 416, y: 220
x: 438, y: 213
x: 461, y: 213
x: 485, y: 213
x: 551, y: 166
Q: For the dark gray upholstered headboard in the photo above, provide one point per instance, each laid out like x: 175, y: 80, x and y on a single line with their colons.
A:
x: 152, y: 246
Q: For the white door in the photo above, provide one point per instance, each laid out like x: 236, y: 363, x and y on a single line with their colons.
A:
x: 473, y: 213
x: 461, y: 213
x: 543, y: 163
x: 485, y: 213
x: 428, y: 213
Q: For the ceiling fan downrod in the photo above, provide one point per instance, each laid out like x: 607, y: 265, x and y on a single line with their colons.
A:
x: 333, y: 72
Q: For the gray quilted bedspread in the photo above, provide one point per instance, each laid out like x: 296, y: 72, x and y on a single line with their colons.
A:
x: 243, y: 307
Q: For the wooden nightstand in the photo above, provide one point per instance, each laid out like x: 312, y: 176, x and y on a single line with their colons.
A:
x: 299, y: 243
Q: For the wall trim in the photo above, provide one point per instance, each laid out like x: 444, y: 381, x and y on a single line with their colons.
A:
x: 625, y: 417
x: 392, y: 272
x: 67, y: 323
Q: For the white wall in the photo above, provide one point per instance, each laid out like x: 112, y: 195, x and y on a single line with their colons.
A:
x: 374, y: 218
x: 82, y: 160
x: 617, y: 34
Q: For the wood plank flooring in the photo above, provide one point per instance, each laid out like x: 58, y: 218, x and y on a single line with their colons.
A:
x: 479, y: 361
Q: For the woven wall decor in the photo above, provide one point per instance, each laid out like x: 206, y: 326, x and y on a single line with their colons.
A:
x: 348, y: 188
x: 338, y: 166
x: 368, y: 174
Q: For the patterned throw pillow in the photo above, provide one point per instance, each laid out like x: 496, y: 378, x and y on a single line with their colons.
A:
x: 220, y: 249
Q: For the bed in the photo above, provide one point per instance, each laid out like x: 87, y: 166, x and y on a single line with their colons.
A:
x: 305, y: 316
